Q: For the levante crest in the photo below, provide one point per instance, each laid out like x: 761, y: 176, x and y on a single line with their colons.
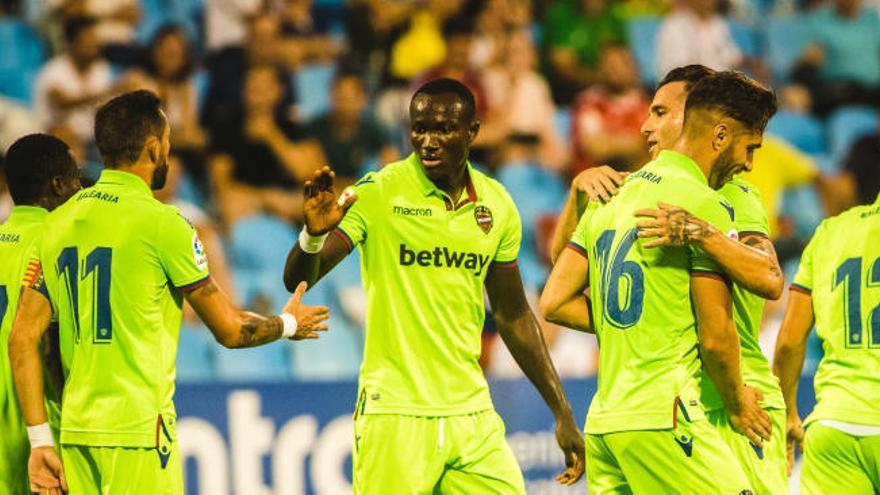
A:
x: 483, y: 216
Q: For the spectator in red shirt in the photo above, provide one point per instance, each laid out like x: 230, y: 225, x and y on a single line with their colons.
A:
x: 606, y: 117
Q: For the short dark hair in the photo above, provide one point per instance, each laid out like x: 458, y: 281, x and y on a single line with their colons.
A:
x: 31, y: 163
x: 123, y: 125
x: 688, y: 74
x: 76, y: 24
x: 735, y: 95
x: 446, y: 86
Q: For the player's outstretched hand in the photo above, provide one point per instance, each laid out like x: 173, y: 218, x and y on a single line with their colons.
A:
x: 671, y: 226
x: 45, y: 471
x: 794, y: 434
x: 309, y: 319
x: 323, y: 210
x: 750, y: 419
x: 599, y: 183
x: 571, y: 441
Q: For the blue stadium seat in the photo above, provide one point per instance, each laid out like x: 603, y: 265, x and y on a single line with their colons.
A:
x: 258, y: 247
x: 337, y: 354
x: 261, y: 242
x: 562, y: 123
x: 270, y: 362
x: 745, y: 38
x: 801, y: 131
x: 786, y: 39
x: 195, y: 354
x: 846, y: 125
x: 157, y: 13
x: 312, y: 85
x: 536, y: 192
x: 642, y: 34
x: 22, y: 54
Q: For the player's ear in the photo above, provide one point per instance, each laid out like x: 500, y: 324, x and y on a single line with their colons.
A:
x: 721, y: 136
x: 473, y: 130
x: 154, y: 149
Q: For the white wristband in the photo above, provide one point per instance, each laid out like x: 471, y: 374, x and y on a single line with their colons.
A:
x: 290, y: 325
x: 311, y: 244
x: 40, y: 436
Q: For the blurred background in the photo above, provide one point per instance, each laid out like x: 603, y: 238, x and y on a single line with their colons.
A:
x: 259, y: 93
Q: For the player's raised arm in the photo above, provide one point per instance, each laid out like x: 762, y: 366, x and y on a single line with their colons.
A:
x: 522, y: 335
x: 317, y: 252
x: 720, y: 353
x: 750, y: 262
x: 788, y: 360
x: 593, y: 184
x: 235, y: 328
x: 31, y: 322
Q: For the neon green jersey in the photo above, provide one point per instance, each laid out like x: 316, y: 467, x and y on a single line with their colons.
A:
x: 424, y: 262
x: 840, y: 267
x: 18, y: 236
x: 640, y: 299
x: 749, y: 218
x: 115, y: 262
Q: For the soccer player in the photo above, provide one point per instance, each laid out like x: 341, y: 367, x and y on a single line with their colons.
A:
x: 433, y: 231
x: 646, y: 303
x: 837, y: 287
x: 41, y: 174
x: 750, y: 262
x: 117, y: 265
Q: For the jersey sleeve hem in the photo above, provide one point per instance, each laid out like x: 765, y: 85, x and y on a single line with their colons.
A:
x: 801, y: 289
x: 578, y: 249
x: 710, y: 274
x: 754, y: 232
x: 506, y: 264
x: 195, y: 285
x: 345, y: 238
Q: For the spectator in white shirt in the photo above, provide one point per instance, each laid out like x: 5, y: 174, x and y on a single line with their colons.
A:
x: 696, y: 34
x: 70, y: 85
x: 226, y: 22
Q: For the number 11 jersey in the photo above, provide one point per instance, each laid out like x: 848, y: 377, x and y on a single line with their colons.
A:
x: 115, y: 262
x: 641, y: 300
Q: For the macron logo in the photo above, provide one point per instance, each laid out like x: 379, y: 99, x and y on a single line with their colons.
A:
x: 412, y: 212
x: 442, y: 257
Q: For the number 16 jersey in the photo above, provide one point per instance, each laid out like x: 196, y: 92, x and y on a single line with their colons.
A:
x: 641, y: 301
x: 115, y: 262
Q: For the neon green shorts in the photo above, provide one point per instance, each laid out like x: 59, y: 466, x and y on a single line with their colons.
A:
x: 423, y: 455
x: 689, y: 458
x: 836, y: 462
x: 121, y: 470
x: 766, y: 468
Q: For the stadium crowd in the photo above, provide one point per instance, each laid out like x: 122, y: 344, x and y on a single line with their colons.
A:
x: 261, y: 93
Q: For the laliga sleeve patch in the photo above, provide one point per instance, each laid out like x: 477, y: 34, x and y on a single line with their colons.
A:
x: 733, y: 234
x: 201, y: 258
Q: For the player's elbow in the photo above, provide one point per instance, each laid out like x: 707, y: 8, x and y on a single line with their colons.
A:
x: 770, y: 287
x: 775, y: 286
x: 549, y: 306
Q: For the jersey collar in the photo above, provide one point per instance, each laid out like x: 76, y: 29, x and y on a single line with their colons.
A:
x: 877, y: 201
x: 683, y: 162
x: 28, y: 213
x: 429, y: 188
x: 127, y: 180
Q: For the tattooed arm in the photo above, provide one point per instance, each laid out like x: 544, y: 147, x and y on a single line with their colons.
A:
x: 751, y: 263
x: 235, y: 328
